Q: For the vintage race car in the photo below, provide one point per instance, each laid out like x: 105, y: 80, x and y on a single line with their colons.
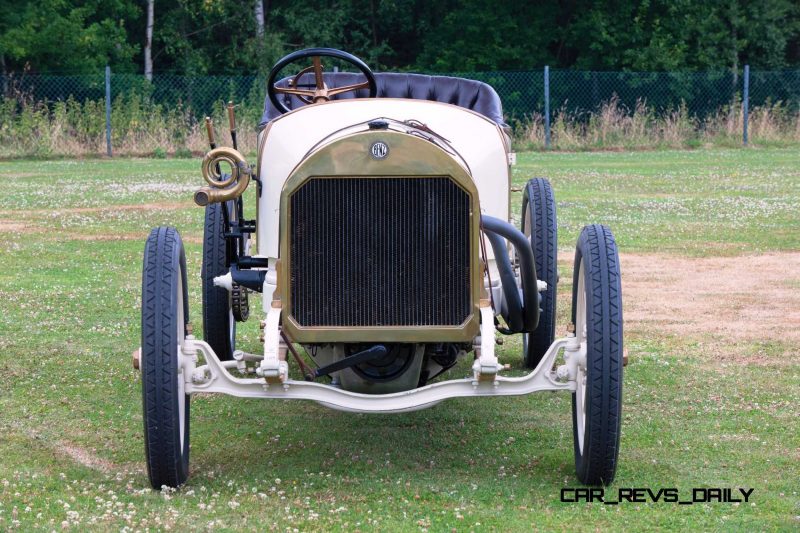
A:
x: 384, y: 255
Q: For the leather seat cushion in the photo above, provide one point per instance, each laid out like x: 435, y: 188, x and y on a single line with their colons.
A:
x: 470, y: 94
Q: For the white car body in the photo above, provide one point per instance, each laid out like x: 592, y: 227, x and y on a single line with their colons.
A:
x: 288, y: 139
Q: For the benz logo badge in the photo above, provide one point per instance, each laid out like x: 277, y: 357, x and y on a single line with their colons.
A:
x: 379, y: 150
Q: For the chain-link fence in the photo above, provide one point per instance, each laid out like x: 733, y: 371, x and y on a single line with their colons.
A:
x: 199, y: 94
x: 581, y: 94
x: 526, y: 95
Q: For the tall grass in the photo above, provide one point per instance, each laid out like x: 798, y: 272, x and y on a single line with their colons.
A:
x: 138, y: 127
x: 614, y: 127
x: 141, y: 127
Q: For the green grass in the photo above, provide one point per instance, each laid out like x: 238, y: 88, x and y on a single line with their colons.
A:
x: 70, y: 407
x: 732, y: 201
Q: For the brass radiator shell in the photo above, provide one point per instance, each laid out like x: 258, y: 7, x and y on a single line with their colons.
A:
x: 409, y: 157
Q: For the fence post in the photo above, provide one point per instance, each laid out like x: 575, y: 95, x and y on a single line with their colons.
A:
x: 108, y: 110
x: 547, y: 106
x: 745, y: 104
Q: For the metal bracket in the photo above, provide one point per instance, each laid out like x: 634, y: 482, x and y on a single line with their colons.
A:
x: 574, y: 356
x: 273, y: 367
x: 486, y: 366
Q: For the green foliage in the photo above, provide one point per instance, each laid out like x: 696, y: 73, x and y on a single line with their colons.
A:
x: 682, y: 34
x: 486, y: 35
x: 69, y: 36
x: 196, y: 37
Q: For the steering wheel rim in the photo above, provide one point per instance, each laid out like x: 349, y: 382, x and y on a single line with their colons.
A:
x: 316, y: 53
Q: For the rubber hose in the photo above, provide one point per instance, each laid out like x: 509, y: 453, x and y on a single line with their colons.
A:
x: 513, y: 315
x: 530, y: 288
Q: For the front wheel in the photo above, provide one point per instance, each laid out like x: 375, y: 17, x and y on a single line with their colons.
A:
x: 219, y: 321
x: 165, y: 313
x: 539, y: 225
x: 597, y: 317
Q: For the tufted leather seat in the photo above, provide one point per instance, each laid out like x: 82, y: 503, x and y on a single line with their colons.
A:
x: 470, y: 94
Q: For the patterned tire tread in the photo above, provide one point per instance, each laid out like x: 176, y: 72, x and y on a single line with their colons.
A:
x: 598, y: 462
x: 164, y: 274
x: 538, y: 203
x: 217, y: 322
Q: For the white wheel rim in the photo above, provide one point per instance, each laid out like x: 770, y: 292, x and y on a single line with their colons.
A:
x: 580, y: 378
x: 180, y: 376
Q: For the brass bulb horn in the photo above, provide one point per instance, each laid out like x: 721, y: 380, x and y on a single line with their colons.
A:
x: 219, y: 189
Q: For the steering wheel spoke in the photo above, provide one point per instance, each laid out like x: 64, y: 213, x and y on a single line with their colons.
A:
x: 318, y: 91
x: 296, y: 92
x: 318, y: 73
x: 347, y: 88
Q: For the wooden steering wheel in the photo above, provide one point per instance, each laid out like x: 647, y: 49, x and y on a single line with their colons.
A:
x: 319, y: 92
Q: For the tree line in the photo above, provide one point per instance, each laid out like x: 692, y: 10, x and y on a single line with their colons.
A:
x: 198, y: 37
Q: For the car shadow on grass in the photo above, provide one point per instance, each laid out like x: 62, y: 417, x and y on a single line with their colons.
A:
x: 461, y: 440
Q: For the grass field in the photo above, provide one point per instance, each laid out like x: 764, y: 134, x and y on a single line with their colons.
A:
x: 710, y: 244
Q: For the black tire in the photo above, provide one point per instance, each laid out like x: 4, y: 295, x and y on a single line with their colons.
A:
x: 539, y: 224
x: 599, y: 395
x: 219, y: 326
x: 165, y: 313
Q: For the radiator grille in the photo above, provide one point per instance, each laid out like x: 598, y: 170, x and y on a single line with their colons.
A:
x: 389, y: 251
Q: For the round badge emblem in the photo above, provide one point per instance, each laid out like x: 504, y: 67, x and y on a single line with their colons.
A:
x: 379, y: 150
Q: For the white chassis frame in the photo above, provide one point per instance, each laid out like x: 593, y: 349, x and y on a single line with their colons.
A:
x: 214, y: 376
